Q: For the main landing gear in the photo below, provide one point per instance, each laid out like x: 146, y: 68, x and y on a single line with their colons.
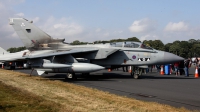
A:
x: 71, y: 76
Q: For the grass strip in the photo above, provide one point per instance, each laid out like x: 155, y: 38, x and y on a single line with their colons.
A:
x: 79, y: 98
x: 13, y: 99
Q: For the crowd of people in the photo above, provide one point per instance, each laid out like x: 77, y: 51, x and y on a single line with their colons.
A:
x: 182, y: 67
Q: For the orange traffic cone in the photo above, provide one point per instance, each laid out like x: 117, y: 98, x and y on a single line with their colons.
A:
x: 109, y: 70
x: 162, y: 71
x: 196, y: 75
x: 130, y: 69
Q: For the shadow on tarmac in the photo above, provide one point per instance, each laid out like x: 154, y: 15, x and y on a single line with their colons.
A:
x: 112, y: 76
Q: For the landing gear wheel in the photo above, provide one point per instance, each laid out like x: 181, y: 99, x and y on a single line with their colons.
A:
x: 70, y: 76
x: 136, y: 76
x: 136, y: 73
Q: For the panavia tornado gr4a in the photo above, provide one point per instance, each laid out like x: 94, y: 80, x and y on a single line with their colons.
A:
x: 49, y: 55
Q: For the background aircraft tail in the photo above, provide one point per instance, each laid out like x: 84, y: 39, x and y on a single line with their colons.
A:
x: 2, y: 51
x: 30, y: 35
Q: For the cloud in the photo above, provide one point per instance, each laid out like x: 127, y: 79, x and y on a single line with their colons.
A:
x: 148, y: 37
x: 145, y: 29
x: 98, y: 30
x: 106, y: 34
x: 118, y: 32
x: 7, y: 33
x: 176, y: 27
x: 20, y: 14
x: 36, y: 19
x: 142, y: 26
x: 60, y: 27
x: 70, y: 30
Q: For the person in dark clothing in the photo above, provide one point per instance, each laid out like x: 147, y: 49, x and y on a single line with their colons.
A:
x: 158, y: 68
x: 181, y: 67
x: 125, y: 68
x: 176, y: 66
x: 197, y: 62
x: 150, y: 68
x: 186, y: 65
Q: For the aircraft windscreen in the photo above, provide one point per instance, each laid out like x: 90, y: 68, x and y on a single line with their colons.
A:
x: 131, y: 45
x: 145, y: 47
x: 117, y: 44
x: 126, y: 44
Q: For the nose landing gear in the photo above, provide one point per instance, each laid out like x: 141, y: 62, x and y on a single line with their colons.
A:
x: 136, y: 72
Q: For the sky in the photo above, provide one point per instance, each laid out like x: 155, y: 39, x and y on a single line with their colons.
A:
x: 93, y: 20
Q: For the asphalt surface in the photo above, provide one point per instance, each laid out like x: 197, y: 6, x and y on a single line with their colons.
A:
x: 177, y: 91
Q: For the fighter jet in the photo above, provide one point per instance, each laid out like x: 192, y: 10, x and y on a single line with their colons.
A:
x: 59, y: 55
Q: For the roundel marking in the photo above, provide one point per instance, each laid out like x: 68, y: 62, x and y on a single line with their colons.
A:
x: 134, y: 57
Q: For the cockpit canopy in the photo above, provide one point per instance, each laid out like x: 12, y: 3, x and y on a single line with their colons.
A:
x: 130, y: 45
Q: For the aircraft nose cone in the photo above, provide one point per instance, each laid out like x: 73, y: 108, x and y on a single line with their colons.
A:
x: 171, y: 58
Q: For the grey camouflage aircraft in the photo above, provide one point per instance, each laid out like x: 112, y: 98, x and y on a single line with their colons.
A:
x: 50, y: 55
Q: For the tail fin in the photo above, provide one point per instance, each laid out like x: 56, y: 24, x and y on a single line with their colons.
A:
x: 30, y: 35
x: 2, y: 51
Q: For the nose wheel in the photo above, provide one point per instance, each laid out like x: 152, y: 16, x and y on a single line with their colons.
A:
x: 136, y: 72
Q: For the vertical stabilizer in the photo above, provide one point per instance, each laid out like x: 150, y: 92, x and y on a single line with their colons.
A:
x: 2, y: 51
x: 30, y: 35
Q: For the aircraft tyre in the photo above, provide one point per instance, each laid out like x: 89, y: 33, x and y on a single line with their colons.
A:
x: 71, y: 76
x: 135, y: 75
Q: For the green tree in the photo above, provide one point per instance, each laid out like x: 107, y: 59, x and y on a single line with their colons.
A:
x: 167, y: 46
x: 77, y: 42
x: 14, y: 49
x: 135, y: 39
x: 195, y: 49
x: 156, y: 44
x: 184, y: 50
x: 192, y: 41
x: 175, y: 47
x: 117, y: 40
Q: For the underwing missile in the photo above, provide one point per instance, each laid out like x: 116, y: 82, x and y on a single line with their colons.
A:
x: 71, y: 68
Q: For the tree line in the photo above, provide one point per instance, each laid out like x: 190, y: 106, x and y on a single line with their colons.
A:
x: 16, y: 49
x: 185, y: 49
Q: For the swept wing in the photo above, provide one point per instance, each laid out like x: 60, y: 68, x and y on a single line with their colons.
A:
x: 58, y: 53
